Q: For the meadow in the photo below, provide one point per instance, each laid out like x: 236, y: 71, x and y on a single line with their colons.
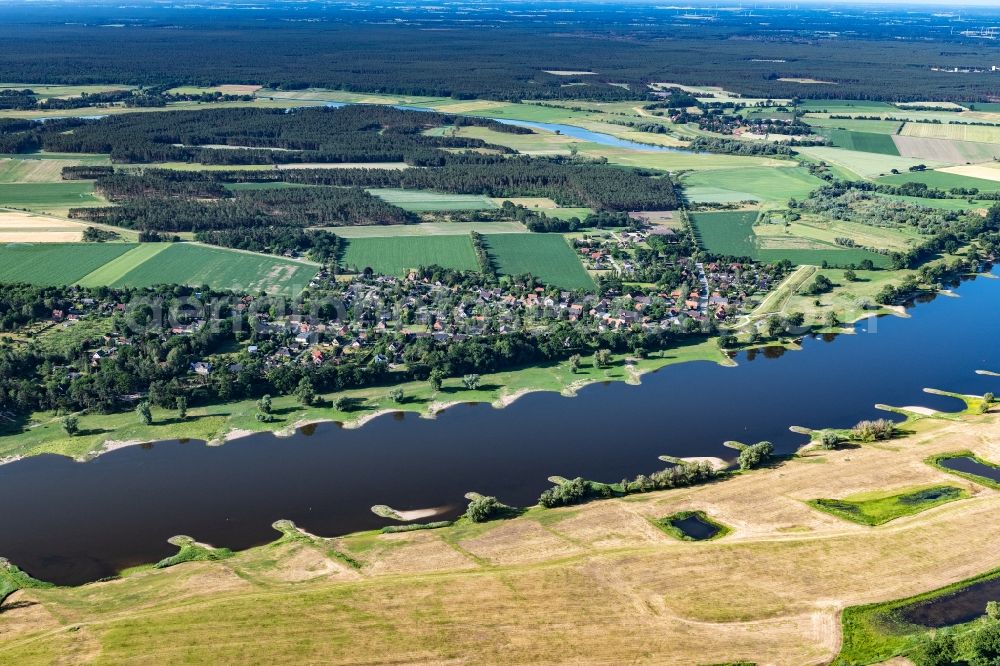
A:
x: 865, y: 142
x: 869, y: 126
x: 545, y: 256
x: 864, y: 165
x: 762, y: 184
x: 732, y: 233
x: 55, y: 263
x: 958, y: 132
x: 394, y: 255
x: 880, y: 507
x: 941, y: 180
x: 49, y: 197
x: 428, y: 229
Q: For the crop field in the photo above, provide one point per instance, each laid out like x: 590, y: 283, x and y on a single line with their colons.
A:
x: 195, y: 265
x: 394, y: 255
x: 48, y: 170
x: 734, y: 234
x: 116, y: 269
x: 771, y: 185
x: 946, y: 150
x: 21, y: 227
x: 958, y: 132
x: 45, y: 91
x: 820, y: 233
x: 988, y: 171
x: 418, y: 201
x: 428, y: 229
x: 865, y: 142
x: 942, y: 179
x: 546, y: 256
x: 55, y: 263
x: 845, y: 106
x: 47, y: 196
x: 868, y: 126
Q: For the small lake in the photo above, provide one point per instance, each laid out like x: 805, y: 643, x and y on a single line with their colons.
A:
x: 971, y: 466
x: 71, y: 522
x: 695, y: 528
x: 962, y: 606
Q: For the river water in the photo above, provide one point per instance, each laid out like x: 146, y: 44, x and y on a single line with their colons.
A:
x: 71, y: 522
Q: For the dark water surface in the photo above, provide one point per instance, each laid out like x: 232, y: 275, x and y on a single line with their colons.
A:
x: 962, y: 606
x: 971, y: 466
x: 69, y: 522
x: 695, y: 528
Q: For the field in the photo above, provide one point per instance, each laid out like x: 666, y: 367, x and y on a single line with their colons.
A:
x: 986, y: 171
x: 113, y: 271
x: 47, y: 197
x: 55, y: 263
x: 195, y: 265
x: 771, y: 592
x: 20, y: 227
x: 942, y: 180
x: 39, y: 169
x: 428, y: 229
x: 845, y: 106
x: 865, y: 165
x: 734, y: 234
x: 865, y: 142
x: 770, y: 185
x: 946, y: 150
x: 45, y: 91
x: 418, y: 201
x: 394, y: 255
x: 869, y: 126
x: 958, y: 132
x: 546, y: 256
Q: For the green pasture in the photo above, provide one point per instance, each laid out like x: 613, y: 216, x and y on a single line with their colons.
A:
x: 764, y: 184
x: 394, y: 255
x: 941, y: 180
x: 545, y: 256
x: 55, y: 263
x: 421, y: 201
x: 880, y: 507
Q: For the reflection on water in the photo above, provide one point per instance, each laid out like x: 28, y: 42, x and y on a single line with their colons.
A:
x: 70, y: 522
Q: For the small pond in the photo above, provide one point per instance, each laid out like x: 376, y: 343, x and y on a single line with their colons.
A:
x: 969, y: 465
x: 959, y: 607
x: 695, y: 526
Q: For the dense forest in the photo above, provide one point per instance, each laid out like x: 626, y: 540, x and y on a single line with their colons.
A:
x: 356, y: 133
x: 512, y: 63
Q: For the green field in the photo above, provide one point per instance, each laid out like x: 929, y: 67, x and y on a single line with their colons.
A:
x: 394, y: 255
x: 880, y: 507
x: 764, y: 184
x: 418, y: 201
x: 845, y: 106
x: 113, y: 271
x: 864, y: 165
x: 865, y: 142
x: 47, y: 196
x: 428, y: 229
x: 870, y: 126
x: 55, y: 263
x: 196, y: 265
x: 941, y: 180
x: 545, y: 256
x: 732, y: 234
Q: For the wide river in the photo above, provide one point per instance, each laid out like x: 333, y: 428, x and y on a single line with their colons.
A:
x: 71, y: 522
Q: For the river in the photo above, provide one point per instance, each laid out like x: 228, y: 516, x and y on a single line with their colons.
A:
x: 71, y: 522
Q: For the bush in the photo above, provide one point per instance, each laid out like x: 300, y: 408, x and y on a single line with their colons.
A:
x: 71, y: 425
x: 755, y: 455
x: 829, y: 440
x: 482, y: 509
x: 569, y: 492
x: 873, y: 431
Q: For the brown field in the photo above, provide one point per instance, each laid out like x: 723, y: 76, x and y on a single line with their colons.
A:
x: 987, y: 171
x: 593, y: 584
x: 945, y: 150
x: 21, y: 227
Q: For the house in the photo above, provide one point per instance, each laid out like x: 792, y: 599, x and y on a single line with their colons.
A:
x: 201, y: 368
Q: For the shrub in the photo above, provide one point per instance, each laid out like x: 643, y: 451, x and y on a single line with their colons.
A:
x: 829, y: 440
x: 569, y: 492
x: 755, y: 455
x: 873, y: 431
x: 482, y: 509
x: 71, y: 425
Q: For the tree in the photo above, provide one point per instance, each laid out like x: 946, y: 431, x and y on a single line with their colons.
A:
x: 71, y: 425
x: 602, y: 358
x: 436, y: 379
x: 396, y: 395
x: 755, y: 455
x: 182, y: 407
x: 342, y: 404
x: 144, y: 413
x: 938, y: 651
x: 574, y: 363
x: 850, y: 275
x: 305, y: 392
x: 984, y: 646
x: 264, y: 404
x: 471, y: 381
x: 482, y: 509
x: 829, y: 440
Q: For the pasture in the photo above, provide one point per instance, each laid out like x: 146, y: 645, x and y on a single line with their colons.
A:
x: 421, y: 201
x: 864, y: 165
x: 55, y: 263
x: 196, y: 265
x: 735, y: 234
x: 394, y: 255
x: 50, y: 197
x: 548, y: 257
x: 762, y: 184
x: 845, y: 106
x: 944, y: 180
x: 868, y: 126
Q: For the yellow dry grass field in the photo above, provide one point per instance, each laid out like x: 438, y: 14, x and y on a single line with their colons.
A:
x: 541, y: 203
x: 20, y: 227
x: 593, y: 584
x: 959, y: 132
x: 986, y: 171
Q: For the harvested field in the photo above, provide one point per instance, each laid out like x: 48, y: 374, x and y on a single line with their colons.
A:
x: 957, y: 132
x: 795, y: 79
x: 21, y: 227
x: 988, y: 171
x: 945, y: 150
